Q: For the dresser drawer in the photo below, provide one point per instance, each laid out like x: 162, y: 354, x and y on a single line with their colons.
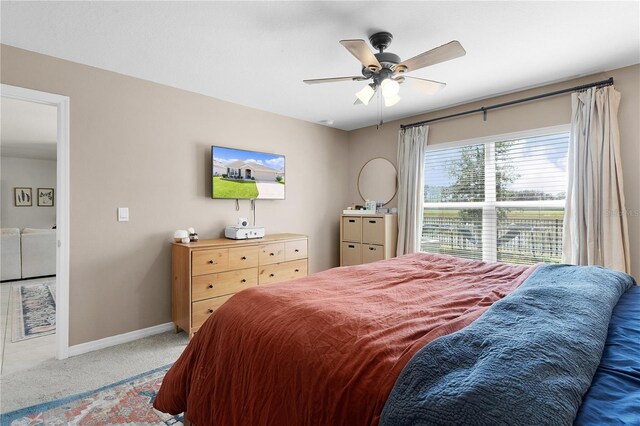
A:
x: 201, y: 310
x: 371, y: 253
x: 211, y: 285
x: 209, y: 261
x: 243, y: 257
x: 294, y: 250
x: 351, y: 254
x: 271, y: 253
x: 351, y: 229
x: 282, y: 272
x: 373, y: 230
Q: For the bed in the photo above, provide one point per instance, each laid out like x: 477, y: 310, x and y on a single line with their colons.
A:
x: 418, y: 339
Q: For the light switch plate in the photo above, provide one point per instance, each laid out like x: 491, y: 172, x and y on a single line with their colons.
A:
x: 123, y: 214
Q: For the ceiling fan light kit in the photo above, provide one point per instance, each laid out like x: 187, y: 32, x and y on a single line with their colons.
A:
x: 385, y: 68
x: 366, y: 93
x: 391, y: 101
x: 390, y: 88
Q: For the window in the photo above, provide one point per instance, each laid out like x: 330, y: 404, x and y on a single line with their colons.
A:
x: 499, y: 199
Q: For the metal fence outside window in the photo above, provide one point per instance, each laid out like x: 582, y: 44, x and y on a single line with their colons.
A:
x: 519, y: 240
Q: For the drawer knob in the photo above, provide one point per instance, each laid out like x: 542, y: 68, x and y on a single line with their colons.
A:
x: 296, y: 250
x: 372, y: 248
x: 210, y: 285
x: 350, y: 246
x: 352, y: 221
x: 210, y: 310
x: 271, y: 275
x: 210, y: 262
x: 244, y: 258
x: 243, y: 280
x: 297, y: 270
x: 372, y: 221
x: 272, y: 254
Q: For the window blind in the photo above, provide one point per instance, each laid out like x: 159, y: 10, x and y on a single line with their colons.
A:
x: 499, y: 200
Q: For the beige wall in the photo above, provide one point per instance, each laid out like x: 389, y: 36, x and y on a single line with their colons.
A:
x: 370, y: 142
x: 146, y: 146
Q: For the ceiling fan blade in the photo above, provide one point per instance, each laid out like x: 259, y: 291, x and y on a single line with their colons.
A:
x: 333, y: 79
x: 446, y: 52
x: 425, y: 86
x: 361, y: 51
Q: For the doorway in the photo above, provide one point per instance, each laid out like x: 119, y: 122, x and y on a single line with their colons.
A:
x: 59, y: 197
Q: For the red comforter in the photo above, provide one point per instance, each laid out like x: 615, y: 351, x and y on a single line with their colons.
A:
x: 327, y: 349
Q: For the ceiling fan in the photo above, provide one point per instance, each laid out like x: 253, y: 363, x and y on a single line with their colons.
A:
x: 386, y: 70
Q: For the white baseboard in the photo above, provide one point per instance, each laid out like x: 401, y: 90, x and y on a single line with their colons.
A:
x: 94, y: 345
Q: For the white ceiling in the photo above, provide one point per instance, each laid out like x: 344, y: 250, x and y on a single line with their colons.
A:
x: 258, y: 53
x: 28, y: 129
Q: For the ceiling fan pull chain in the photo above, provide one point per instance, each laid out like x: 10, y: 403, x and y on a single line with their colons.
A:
x: 379, y: 125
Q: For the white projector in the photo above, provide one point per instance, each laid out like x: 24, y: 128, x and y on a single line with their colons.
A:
x: 243, y: 232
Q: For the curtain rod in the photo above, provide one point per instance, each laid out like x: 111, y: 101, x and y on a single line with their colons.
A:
x: 484, y: 110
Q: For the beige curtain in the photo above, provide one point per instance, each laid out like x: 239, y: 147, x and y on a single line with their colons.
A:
x: 412, y: 142
x: 595, y: 222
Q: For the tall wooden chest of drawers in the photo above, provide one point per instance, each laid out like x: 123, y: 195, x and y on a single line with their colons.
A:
x: 206, y: 273
x: 367, y: 238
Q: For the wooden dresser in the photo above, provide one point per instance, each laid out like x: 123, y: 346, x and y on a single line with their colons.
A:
x: 367, y: 238
x: 206, y: 273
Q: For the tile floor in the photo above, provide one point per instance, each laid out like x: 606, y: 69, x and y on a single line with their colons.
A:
x: 26, y: 354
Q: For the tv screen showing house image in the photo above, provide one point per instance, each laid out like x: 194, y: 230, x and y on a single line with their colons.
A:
x: 240, y: 174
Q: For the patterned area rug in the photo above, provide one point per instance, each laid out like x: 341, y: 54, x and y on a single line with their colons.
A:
x: 34, y: 310
x: 125, y: 402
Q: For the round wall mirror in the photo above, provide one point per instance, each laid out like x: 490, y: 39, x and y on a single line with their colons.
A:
x: 377, y: 180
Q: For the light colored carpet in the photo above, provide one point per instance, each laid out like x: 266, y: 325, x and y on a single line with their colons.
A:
x: 54, y: 379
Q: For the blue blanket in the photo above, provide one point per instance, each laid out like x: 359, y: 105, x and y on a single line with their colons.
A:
x: 527, y: 361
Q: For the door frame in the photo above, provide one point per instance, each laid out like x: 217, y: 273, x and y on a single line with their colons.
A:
x: 62, y: 205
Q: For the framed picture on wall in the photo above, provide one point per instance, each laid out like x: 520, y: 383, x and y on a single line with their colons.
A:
x: 45, y: 197
x: 22, y: 197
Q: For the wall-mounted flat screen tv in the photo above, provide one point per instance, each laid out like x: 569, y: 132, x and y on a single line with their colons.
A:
x: 241, y: 174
